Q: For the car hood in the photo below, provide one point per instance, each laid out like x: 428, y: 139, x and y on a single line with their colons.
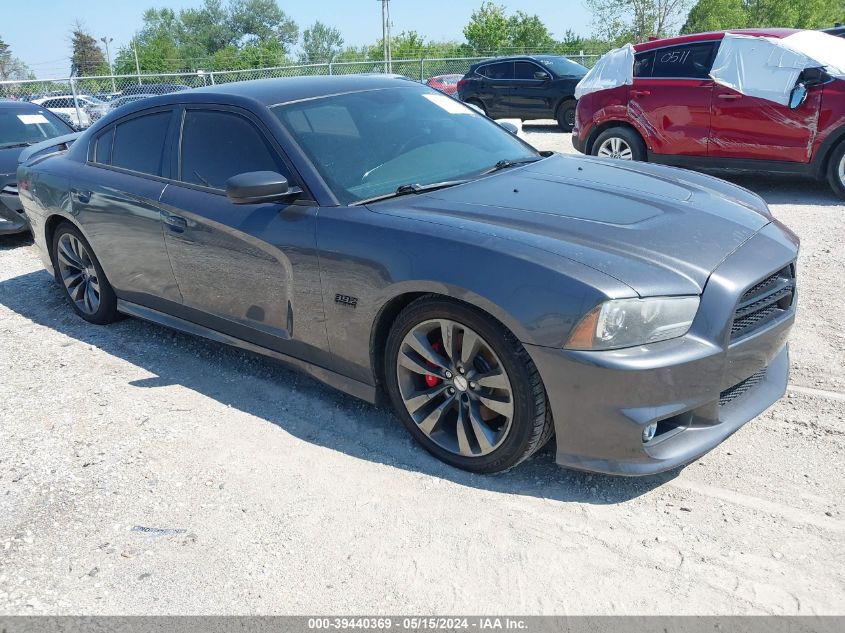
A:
x: 659, y: 230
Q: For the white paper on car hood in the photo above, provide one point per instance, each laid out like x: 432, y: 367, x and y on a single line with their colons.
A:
x: 614, y: 69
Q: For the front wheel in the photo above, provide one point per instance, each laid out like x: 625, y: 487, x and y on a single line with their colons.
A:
x: 465, y: 387
x: 836, y: 170
x: 620, y: 143
x: 82, y: 278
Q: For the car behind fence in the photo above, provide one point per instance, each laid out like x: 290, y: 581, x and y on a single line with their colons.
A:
x: 111, y: 87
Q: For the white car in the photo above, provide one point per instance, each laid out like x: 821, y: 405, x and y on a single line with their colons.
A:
x: 63, y: 106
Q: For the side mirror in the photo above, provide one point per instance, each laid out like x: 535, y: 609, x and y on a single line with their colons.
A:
x: 798, y: 96
x: 254, y: 187
x: 541, y: 76
x: 510, y: 127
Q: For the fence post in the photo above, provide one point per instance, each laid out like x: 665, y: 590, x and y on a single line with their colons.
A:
x: 330, y: 68
x: 211, y: 76
x: 75, y: 102
x: 422, y: 69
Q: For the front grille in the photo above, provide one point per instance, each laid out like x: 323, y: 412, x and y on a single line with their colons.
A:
x: 741, y: 388
x: 765, y: 301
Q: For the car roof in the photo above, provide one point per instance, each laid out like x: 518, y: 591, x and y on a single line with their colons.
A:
x: 514, y: 58
x: 713, y: 35
x: 9, y: 104
x: 269, y: 92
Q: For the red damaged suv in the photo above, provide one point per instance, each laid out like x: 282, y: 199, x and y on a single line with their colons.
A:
x: 671, y: 110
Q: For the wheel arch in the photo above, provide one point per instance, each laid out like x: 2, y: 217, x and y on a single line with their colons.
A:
x: 51, y: 225
x: 390, y: 309
x: 826, y: 150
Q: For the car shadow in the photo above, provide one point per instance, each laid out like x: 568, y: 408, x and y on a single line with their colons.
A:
x: 786, y: 189
x: 16, y: 240
x: 297, y: 403
x: 544, y: 127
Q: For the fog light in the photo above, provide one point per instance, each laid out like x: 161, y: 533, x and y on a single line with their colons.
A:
x: 649, y: 432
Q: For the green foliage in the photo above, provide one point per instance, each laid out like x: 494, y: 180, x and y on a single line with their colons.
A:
x: 87, y: 58
x: 717, y: 15
x: 488, y: 28
x: 528, y: 33
x: 620, y: 21
x: 10, y: 66
x: 218, y: 35
x: 320, y: 43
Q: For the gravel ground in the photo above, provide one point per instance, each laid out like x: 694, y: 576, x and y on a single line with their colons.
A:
x: 147, y: 472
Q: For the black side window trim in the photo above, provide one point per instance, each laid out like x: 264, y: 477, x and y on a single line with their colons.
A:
x: 714, y: 51
x: 267, y: 137
x: 166, y: 166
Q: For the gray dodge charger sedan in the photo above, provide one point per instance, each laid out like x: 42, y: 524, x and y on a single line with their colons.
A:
x: 391, y: 242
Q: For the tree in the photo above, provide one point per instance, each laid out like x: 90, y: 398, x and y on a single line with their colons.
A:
x: 87, y: 58
x: 10, y: 66
x: 716, y: 15
x: 254, y: 21
x: 619, y: 21
x: 487, y: 30
x: 528, y: 33
x: 320, y: 43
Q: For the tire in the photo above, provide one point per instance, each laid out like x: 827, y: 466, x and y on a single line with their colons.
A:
x: 82, y: 278
x: 621, y: 143
x: 836, y: 170
x: 477, y: 104
x: 565, y: 115
x: 507, y: 379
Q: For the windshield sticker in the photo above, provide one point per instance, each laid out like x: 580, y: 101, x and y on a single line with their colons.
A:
x: 449, y: 104
x: 32, y: 119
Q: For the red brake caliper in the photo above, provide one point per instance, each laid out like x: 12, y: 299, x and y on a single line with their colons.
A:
x: 430, y: 379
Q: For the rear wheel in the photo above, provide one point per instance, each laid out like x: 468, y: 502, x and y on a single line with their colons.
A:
x: 836, y: 170
x: 620, y: 143
x: 82, y: 278
x: 465, y: 387
x: 566, y: 115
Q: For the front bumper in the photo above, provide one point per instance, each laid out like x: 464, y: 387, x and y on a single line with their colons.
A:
x: 12, y: 218
x: 699, y: 388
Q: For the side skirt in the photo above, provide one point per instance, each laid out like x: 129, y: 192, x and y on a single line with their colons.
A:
x: 342, y: 383
x: 719, y: 164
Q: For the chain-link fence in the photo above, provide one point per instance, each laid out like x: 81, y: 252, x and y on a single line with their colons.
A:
x: 82, y: 100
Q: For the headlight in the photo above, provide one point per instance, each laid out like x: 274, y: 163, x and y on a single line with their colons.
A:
x: 630, y: 322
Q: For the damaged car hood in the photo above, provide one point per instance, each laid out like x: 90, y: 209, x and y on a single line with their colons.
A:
x: 659, y: 230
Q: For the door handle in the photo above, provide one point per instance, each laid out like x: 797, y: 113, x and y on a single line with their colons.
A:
x: 641, y: 93
x: 729, y: 96
x: 175, y: 223
x: 82, y: 197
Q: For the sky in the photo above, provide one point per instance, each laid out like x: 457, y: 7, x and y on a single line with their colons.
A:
x: 46, y: 48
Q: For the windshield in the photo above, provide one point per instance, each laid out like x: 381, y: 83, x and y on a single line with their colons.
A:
x: 26, y: 126
x: 562, y: 65
x: 367, y: 144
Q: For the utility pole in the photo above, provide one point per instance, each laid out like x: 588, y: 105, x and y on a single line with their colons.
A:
x: 107, y: 41
x: 385, y: 31
x: 137, y: 65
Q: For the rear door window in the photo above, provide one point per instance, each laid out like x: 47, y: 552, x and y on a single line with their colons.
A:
x: 690, y: 61
x: 217, y: 145
x: 139, y: 143
x: 500, y: 70
x: 643, y: 64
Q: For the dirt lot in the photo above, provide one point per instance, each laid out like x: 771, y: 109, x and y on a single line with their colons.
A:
x: 143, y: 471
